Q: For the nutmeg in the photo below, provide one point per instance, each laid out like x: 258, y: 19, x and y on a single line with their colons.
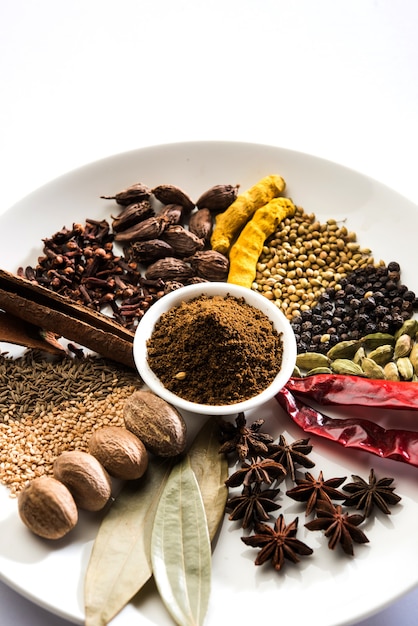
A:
x: 157, y: 423
x: 120, y: 452
x: 47, y: 508
x: 85, y: 477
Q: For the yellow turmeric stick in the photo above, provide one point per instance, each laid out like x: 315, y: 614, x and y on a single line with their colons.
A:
x: 228, y: 223
x: 245, y: 252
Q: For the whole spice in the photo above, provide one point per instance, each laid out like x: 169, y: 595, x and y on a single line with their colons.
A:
x: 253, y: 505
x: 47, y: 508
x: 278, y: 543
x: 81, y: 264
x: 245, y: 252
x: 334, y: 389
x: 210, y: 265
x: 218, y: 198
x: 171, y: 213
x: 170, y: 194
x: 133, y: 193
x: 200, y: 224
x: 257, y: 470
x: 120, y: 452
x: 85, y: 477
x: 368, y: 299
x: 291, y: 455
x: 366, y: 495
x: 314, y: 490
x: 184, y: 242
x: 215, y: 350
x: 132, y: 214
x: 229, y: 222
x: 16, y: 331
x: 150, y: 228
x: 49, y: 405
x: 357, y: 433
x: 146, y: 252
x: 169, y: 268
x: 303, y: 261
x: 53, y: 312
x: 340, y: 527
x: 242, y: 439
x: 156, y: 423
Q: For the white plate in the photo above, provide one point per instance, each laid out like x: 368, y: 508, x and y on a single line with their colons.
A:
x: 326, y: 589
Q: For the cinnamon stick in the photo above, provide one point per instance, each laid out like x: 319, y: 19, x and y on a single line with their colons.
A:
x: 20, y: 333
x: 51, y: 311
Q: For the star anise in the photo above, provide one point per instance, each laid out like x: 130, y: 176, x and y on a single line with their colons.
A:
x: 291, y: 454
x: 243, y: 439
x: 278, y: 543
x: 253, y: 505
x: 256, y: 470
x: 367, y: 495
x: 339, y: 527
x: 311, y: 490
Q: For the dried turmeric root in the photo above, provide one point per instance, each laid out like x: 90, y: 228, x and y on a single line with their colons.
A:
x: 246, y: 251
x: 228, y: 223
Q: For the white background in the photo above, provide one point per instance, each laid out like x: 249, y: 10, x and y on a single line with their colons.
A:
x: 84, y: 79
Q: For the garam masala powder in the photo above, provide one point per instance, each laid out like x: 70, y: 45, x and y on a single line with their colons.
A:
x: 215, y: 350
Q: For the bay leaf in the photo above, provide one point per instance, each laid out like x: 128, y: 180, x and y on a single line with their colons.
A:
x: 180, y: 548
x: 120, y: 561
x: 211, y: 471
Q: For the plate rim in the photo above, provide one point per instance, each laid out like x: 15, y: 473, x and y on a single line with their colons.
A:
x: 201, y: 144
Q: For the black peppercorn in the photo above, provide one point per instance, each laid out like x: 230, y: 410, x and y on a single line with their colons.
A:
x: 345, y: 314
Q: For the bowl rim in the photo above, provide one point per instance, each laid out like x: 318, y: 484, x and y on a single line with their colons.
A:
x: 189, y: 292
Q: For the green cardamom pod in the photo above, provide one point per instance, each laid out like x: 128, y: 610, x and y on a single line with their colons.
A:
x: 319, y: 370
x: 403, y: 346
x: 409, y: 327
x: 344, y: 349
x: 372, y: 369
x: 359, y: 355
x: 391, y: 371
x: 405, y: 368
x: 309, y: 360
x: 382, y: 354
x: 374, y: 340
x: 413, y: 357
x: 296, y: 372
x: 345, y: 366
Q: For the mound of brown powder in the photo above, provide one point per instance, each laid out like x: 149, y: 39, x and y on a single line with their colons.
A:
x: 215, y: 350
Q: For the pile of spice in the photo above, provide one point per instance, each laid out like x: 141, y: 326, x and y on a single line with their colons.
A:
x: 266, y: 465
x: 215, y: 350
x: 328, y: 286
x: 48, y: 406
x: 304, y: 257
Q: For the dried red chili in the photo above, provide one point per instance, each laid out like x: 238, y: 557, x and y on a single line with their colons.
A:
x: 339, y: 389
x: 361, y: 434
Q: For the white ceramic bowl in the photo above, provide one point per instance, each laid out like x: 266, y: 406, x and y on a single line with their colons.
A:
x: 173, y: 299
